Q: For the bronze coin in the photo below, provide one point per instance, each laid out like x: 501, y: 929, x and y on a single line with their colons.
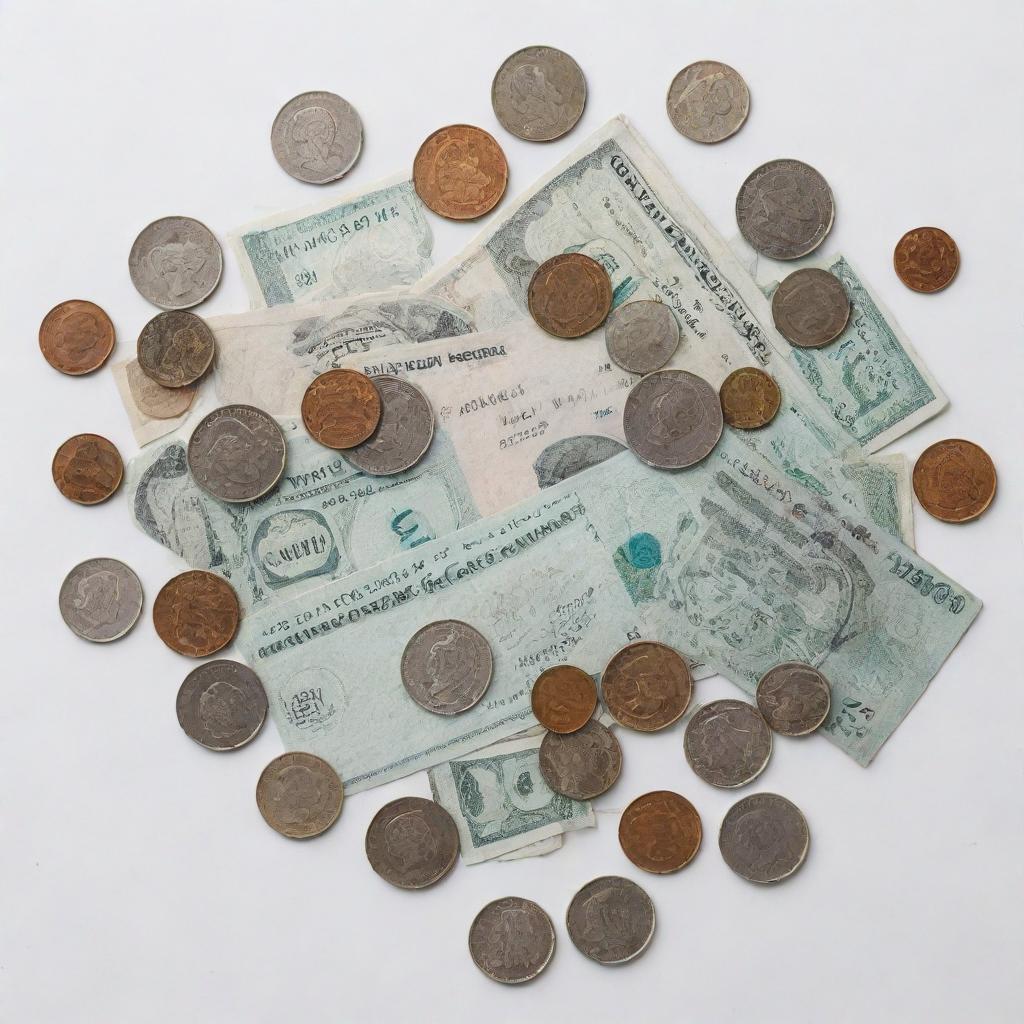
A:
x: 646, y: 686
x: 570, y: 295
x: 341, y: 408
x: 76, y: 337
x: 750, y: 398
x: 87, y: 468
x: 460, y: 172
x: 196, y: 613
x: 563, y: 698
x: 955, y: 480
x: 660, y: 832
x: 175, y: 348
x: 926, y: 259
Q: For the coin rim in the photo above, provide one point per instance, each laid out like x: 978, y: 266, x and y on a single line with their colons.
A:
x: 988, y: 502
x: 761, y: 373
x: 355, y: 156
x: 696, y: 849
x: 635, y: 302
x: 183, y: 384
x: 200, y: 668
x: 490, y: 669
x: 956, y: 268
x: 827, y: 341
x: 348, y: 372
x: 451, y: 216
x: 795, y: 664
x: 80, y: 501
x: 562, y: 257
x: 803, y: 855
x: 426, y: 446
x: 533, y: 690
x: 106, y: 317
x: 540, y: 969
x: 238, y: 608
x: 138, y: 611
x: 574, y: 796
x: 743, y: 119
x: 611, y: 710
x: 494, y: 86
x: 306, y: 753
x: 220, y: 261
x: 446, y: 870
x: 689, y: 760
x: 650, y: 934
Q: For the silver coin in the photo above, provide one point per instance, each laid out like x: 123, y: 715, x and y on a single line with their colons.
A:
x: 100, y: 599
x: 316, y: 137
x: 794, y: 698
x: 581, y: 764
x: 403, y: 434
x: 810, y: 308
x: 672, y: 419
x: 236, y: 453
x: 728, y: 743
x: 412, y: 842
x: 642, y: 336
x: 221, y: 705
x: 764, y: 838
x: 708, y: 101
x: 611, y: 920
x: 175, y: 348
x: 175, y: 262
x: 512, y: 940
x: 539, y: 93
x: 446, y: 666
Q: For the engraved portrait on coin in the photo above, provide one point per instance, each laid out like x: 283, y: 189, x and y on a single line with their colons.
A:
x: 660, y: 832
x: 316, y: 137
x: 764, y: 838
x: 581, y: 764
x: 446, y: 666
x: 794, y: 698
x: 87, y: 469
x: 642, y: 336
x: 175, y: 262
x: 926, y: 259
x: 100, y: 599
x: 810, y: 308
x: 708, y: 101
x: 460, y: 172
x: 512, y: 940
x: 646, y: 686
x: 611, y: 920
x: 196, y: 613
x: 76, y: 337
x: 412, y: 842
x: 403, y: 433
x: 538, y: 93
x: 175, y: 348
x: 221, y: 705
x: 727, y: 743
x: 299, y: 795
x: 955, y: 480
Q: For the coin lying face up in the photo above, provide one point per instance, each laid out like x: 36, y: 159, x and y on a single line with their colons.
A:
x: 446, y: 666
x: 810, y: 308
x: 196, y: 613
x: 794, y: 698
x: 926, y: 259
x: 316, y: 137
x: 611, y: 920
x: 412, y: 842
x: 175, y: 262
x: 660, y: 832
x: 87, y: 469
x: 512, y: 940
x: 539, y: 93
x: 708, y: 101
x: 76, y: 337
x: 582, y: 764
x: 299, y: 795
x: 404, y: 431
x: 750, y: 398
x: 646, y: 686
x: 764, y: 838
x: 100, y: 599
x: 460, y: 172
x: 175, y: 348
x: 341, y: 408
x: 728, y: 743
x: 221, y: 705
x: 563, y: 698
x: 569, y: 295
x: 955, y: 480
x: 642, y: 336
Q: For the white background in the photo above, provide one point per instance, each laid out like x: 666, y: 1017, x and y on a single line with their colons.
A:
x: 139, y: 882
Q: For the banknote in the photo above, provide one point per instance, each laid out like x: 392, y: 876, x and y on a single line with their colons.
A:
x: 541, y: 848
x: 136, y: 391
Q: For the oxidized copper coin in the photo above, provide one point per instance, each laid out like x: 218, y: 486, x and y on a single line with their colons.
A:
x: 582, y: 764
x: 660, y: 832
x: 926, y: 259
x: 460, y: 172
x: 175, y: 348
x: 196, y: 613
x: 750, y: 398
x: 512, y: 940
x: 810, y: 308
x: 412, y: 842
x: 646, y: 686
x: 76, y: 337
x: 87, y: 468
x: 794, y: 698
x: 299, y: 795
x: 341, y: 408
x: 570, y: 295
x: 955, y: 480
x: 564, y: 698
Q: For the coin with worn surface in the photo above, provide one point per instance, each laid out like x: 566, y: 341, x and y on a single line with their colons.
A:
x: 660, y: 832
x: 460, y: 172
x: 611, y: 920
x: 563, y: 698
x: 569, y: 295
x: 539, y: 93
x: 100, y: 599
x: 175, y: 348
x: 175, y: 262
x: 785, y: 209
x: 750, y: 398
x: 728, y: 743
x: 196, y: 613
x: 582, y: 764
x: 642, y: 336
x: 316, y: 137
x: 764, y: 838
x: 512, y: 940
x: 403, y: 434
x: 412, y: 842
x: 955, y: 480
x: 299, y: 795
x: 237, y: 453
x: 810, y: 308
x: 794, y: 698
x: 708, y: 101
x: 76, y: 337
x: 221, y: 705
x: 926, y: 259
x: 446, y: 666
x: 646, y: 686
x: 87, y: 469
x: 154, y: 400
x: 341, y: 408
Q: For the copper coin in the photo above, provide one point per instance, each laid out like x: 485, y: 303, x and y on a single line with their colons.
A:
x: 196, y: 613
x: 563, y: 698
x: 926, y: 259
x: 341, y: 408
x: 750, y: 398
x: 87, y: 468
x: 955, y: 480
x: 570, y: 295
x: 460, y: 172
x: 646, y: 686
x: 299, y: 795
x: 660, y: 832
x: 76, y: 337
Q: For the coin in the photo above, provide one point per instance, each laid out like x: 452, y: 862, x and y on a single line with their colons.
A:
x: 708, y: 101
x: 316, y: 137
x: 154, y: 400
x: 237, y: 453
x: 642, y: 336
x: 955, y: 480
x: 672, y: 419
x: 446, y: 666
x: 175, y: 348
x: 175, y: 262
x: 341, y: 408
x: 750, y: 398
x: 87, y: 469
x: 403, y: 434
x: 660, y: 832
x: 299, y: 795
x: 512, y: 940
x: 646, y: 686
x: 563, y: 698
x: 582, y: 764
x: 539, y: 93
x: 412, y: 842
x: 100, y: 599
x: 764, y: 838
x: 926, y: 259
x: 810, y: 308
x: 460, y: 172
x: 569, y: 295
x: 611, y: 920
x: 76, y: 337
x: 727, y: 743
x: 785, y: 209
x: 221, y: 705
x: 196, y: 613
x: 794, y: 698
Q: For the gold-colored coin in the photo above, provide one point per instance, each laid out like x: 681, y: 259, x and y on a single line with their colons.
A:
x: 955, y: 480
x: 750, y: 398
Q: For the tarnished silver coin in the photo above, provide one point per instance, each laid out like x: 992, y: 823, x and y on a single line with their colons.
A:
x: 728, y: 743
x: 611, y: 920
x: 403, y: 434
x: 299, y: 795
x: 764, y: 838
x: 672, y: 419
x: 581, y: 764
x: 412, y: 842
x: 794, y: 698
x: 642, y: 336
x: 708, y: 101
x: 316, y: 137
x: 512, y: 940
x: 446, y: 666
x: 785, y: 209
x: 539, y: 93
x: 100, y: 599
x: 175, y: 262
x: 237, y: 453
x: 221, y: 705
x: 810, y: 308
x: 175, y: 348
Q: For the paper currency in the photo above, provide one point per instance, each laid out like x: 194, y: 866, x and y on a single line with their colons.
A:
x: 541, y: 848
